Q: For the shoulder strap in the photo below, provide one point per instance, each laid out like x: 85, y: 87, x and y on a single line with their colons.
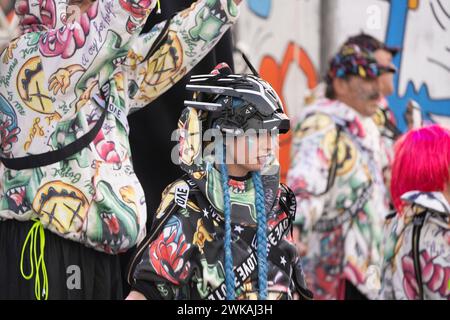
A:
x: 288, y: 204
x: 391, y: 215
x: 334, y: 163
x: 334, y: 160
x: 162, y: 36
x: 47, y: 158
x: 389, y: 125
x: 299, y: 282
x: 418, y: 222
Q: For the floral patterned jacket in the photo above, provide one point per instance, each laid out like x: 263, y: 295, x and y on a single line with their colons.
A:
x: 399, y: 276
x: 49, y: 97
x: 337, y: 178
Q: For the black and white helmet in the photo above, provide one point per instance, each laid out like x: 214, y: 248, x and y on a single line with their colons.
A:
x: 236, y: 103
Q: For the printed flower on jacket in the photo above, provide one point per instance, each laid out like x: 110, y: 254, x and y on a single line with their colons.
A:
x: 167, y: 252
x: 435, y: 277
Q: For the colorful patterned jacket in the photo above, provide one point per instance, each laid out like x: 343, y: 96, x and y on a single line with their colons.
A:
x: 428, y: 251
x: 385, y: 121
x: 337, y: 178
x: 183, y: 257
x: 50, y: 77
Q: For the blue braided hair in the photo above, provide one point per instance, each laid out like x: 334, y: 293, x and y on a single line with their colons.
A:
x: 261, y: 232
x: 229, y: 273
x: 261, y: 236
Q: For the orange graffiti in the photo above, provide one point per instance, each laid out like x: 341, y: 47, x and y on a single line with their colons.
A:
x: 413, y: 4
x: 275, y: 74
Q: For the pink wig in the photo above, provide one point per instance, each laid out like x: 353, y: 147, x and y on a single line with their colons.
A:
x: 422, y: 162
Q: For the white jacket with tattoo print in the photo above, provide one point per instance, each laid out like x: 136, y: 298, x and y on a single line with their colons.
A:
x: 341, y: 215
x: 399, y: 276
x: 50, y: 76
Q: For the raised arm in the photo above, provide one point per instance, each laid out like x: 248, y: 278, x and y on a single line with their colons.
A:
x: 159, y: 59
x: 78, y: 56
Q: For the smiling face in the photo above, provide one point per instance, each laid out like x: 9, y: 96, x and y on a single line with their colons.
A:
x: 137, y: 8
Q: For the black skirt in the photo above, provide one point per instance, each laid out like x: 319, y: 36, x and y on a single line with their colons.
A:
x: 73, y: 270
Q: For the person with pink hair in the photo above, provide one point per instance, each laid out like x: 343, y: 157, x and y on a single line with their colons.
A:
x: 417, y: 237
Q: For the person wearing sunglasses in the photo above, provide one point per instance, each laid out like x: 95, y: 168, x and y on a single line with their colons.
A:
x: 336, y: 175
x: 384, y: 117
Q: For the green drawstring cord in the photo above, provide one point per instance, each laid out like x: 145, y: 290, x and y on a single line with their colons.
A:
x: 159, y: 7
x: 37, y: 263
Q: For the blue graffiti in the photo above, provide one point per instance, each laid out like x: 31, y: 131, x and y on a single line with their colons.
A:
x: 395, y: 37
x: 261, y: 8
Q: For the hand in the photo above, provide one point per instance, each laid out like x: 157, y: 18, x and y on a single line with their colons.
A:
x: 60, y: 80
x: 86, y: 96
x: 9, y: 51
x: 135, y: 295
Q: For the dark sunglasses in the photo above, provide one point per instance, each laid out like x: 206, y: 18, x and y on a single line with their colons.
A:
x: 384, y: 69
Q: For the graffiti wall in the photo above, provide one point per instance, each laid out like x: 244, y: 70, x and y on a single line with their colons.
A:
x: 282, y: 40
x: 290, y: 41
x: 8, y: 22
x: 422, y: 29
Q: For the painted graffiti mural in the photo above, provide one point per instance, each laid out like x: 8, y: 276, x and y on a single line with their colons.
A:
x: 261, y: 8
x: 8, y: 22
x: 286, y: 54
x: 292, y: 55
x: 424, y: 69
x: 276, y: 73
x: 421, y: 28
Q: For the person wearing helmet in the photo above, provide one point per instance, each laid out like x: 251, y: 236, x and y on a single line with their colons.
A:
x: 337, y: 178
x: 222, y: 230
